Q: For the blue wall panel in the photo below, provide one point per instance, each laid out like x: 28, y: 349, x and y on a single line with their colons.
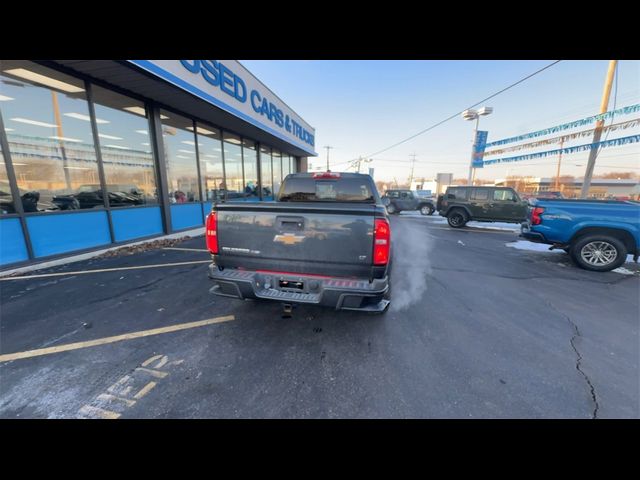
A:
x: 60, y: 233
x: 12, y: 245
x: 206, y: 209
x: 132, y: 223
x: 186, y: 215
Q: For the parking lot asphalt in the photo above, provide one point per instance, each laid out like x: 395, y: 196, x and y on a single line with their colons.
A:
x: 475, y: 330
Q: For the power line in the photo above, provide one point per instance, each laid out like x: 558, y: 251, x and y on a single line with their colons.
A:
x: 458, y: 113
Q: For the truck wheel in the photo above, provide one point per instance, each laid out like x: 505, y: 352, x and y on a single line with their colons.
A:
x: 426, y: 210
x: 598, y: 252
x: 391, y: 209
x: 457, y: 218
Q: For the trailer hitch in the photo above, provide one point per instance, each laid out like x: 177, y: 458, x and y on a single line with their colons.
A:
x: 287, y: 309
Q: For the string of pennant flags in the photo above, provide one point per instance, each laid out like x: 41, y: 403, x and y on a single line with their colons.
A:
x: 579, y: 148
x: 568, y: 126
x: 564, y: 138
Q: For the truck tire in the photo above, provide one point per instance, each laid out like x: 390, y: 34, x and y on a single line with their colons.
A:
x: 598, y: 252
x: 391, y: 209
x: 426, y: 209
x: 457, y: 218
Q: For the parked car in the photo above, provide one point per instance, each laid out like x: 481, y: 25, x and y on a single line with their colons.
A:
x: 30, y: 201
x: 423, y: 194
x: 598, y: 234
x: 398, y: 200
x: 325, y: 241
x: 90, y: 196
x: 461, y: 204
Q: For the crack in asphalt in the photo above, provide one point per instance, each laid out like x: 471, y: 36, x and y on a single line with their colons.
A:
x: 125, y: 292
x: 577, y: 334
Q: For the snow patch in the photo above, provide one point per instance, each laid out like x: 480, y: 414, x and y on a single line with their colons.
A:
x: 623, y: 271
x: 511, y: 227
x: 532, y: 246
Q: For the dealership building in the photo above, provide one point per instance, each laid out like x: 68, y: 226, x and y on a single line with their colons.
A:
x: 102, y: 152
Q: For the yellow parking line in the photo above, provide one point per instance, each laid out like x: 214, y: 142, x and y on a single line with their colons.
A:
x: 5, y: 279
x: 146, y: 389
x: 102, y: 341
x: 99, y: 412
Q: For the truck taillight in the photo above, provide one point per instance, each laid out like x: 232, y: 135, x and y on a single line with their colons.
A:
x: 536, y: 219
x: 211, y: 232
x: 381, y: 241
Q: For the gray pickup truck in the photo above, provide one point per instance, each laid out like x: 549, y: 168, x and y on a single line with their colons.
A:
x: 325, y: 241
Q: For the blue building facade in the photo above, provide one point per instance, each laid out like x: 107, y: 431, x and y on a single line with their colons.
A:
x: 98, y: 153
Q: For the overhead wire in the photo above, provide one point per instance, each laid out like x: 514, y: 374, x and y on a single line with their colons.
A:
x: 454, y: 115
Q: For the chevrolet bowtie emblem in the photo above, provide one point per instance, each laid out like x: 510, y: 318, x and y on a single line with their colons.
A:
x: 288, y: 238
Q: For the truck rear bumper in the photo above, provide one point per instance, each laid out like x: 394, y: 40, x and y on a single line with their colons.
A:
x: 339, y: 293
x: 537, y: 237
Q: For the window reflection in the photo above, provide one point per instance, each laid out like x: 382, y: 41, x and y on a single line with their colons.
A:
x: 233, y: 167
x: 286, y: 165
x: 267, y: 179
x: 48, y: 128
x: 210, y: 150
x: 277, y: 170
x: 250, y: 158
x: 180, y: 158
x: 125, y: 147
x: 6, y: 199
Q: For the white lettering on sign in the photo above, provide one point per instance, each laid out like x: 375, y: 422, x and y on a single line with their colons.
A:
x: 227, y: 84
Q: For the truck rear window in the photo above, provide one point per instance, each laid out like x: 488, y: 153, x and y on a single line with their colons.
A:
x: 307, y: 189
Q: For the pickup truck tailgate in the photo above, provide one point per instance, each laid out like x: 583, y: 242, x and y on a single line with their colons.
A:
x: 316, y: 238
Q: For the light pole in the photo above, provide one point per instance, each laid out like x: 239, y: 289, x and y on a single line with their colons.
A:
x: 328, y: 147
x: 472, y: 114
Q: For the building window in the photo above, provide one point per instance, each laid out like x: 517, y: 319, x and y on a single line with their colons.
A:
x: 277, y: 170
x: 6, y: 199
x: 180, y: 158
x: 294, y: 165
x: 125, y: 147
x: 250, y: 159
x: 286, y: 165
x: 48, y: 128
x: 210, y: 152
x: 267, y: 178
x: 233, y: 166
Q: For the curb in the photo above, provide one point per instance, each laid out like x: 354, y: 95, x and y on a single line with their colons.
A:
x: 196, y: 232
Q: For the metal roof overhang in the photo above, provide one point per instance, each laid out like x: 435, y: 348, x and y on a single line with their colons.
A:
x: 128, y: 77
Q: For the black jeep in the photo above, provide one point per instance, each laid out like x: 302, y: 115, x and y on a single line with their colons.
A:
x: 484, y: 204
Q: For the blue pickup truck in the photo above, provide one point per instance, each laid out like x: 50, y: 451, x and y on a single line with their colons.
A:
x: 597, y: 234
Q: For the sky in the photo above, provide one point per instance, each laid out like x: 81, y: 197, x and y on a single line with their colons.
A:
x: 360, y: 107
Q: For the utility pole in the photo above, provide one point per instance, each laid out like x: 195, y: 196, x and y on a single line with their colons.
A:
x: 604, y: 105
x: 413, y: 162
x: 473, y: 151
x: 559, y: 161
x: 328, y: 147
